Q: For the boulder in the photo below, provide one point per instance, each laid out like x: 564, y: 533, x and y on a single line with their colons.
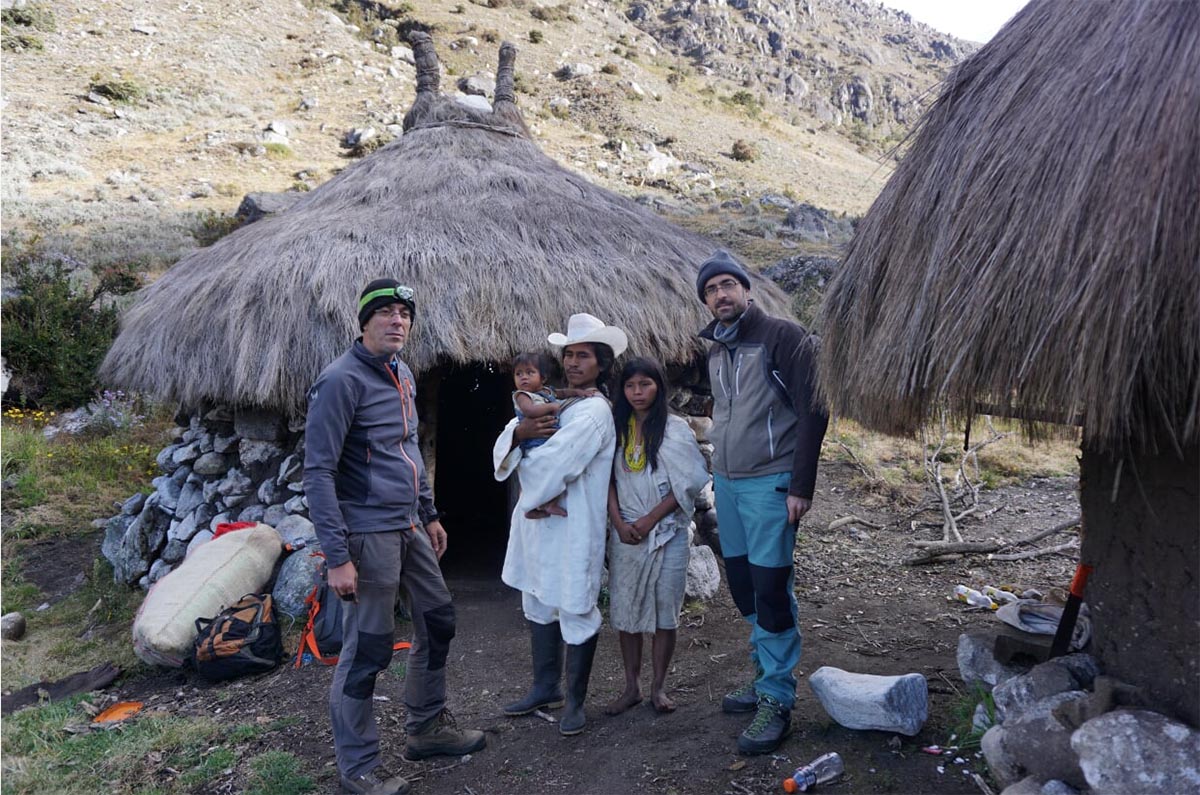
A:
x: 223, y: 444
x: 259, y: 424
x: 133, y: 506
x: 114, y: 535
x: 160, y: 569
x: 129, y: 557
x: 1014, y: 695
x: 274, y: 515
x: 297, y: 504
x: 260, y: 459
x: 210, y: 464
x: 252, y: 513
x: 166, y: 458
x: 977, y: 664
x: 478, y: 85
x: 186, y: 453
x: 218, y: 520
x: 1138, y: 751
x: 184, y: 529
x: 261, y: 204
x: 1040, y: 744
x: 12, y: 626
x: 189, y: 499
x: 198, y: 540
x: 1000, y: 762
x: 1026, y: 786
x: 234, y: 483
x: 267, y: 492
x: 296, y: 578
x: 470, y: 101
x: 291, y: 470
x: 173, y: 552
x: 865, y: 701
x: 703, y: 575
x: 294, y: 529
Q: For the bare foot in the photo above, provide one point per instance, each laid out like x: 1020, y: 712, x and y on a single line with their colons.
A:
x: 552, y: 508
x: 536, y: 513
x: 660, y: 701
x: 623, y: 702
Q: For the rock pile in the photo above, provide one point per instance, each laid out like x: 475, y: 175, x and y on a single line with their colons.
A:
x: 1062, y: 727
x: 224, y: 466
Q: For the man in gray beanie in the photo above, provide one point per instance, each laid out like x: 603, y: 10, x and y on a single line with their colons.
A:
x: 766, y: 436
x: 379, y: 530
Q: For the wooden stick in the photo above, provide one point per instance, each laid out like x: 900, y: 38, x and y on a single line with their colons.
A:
x: 852, y: 519
x: 1035, y: 553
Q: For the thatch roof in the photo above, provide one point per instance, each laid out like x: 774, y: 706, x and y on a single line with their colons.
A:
x: 1039, y: 245
x: 500, y: 242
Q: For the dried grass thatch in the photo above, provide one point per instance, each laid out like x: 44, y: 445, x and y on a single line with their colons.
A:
x: 1039, y: 245
x: 500, y: 242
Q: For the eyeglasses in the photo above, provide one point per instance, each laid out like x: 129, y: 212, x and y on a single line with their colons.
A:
x: 724, y: 286
x: 392, y: 311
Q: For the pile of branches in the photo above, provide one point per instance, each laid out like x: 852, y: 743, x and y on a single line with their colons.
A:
x: 958, y: 499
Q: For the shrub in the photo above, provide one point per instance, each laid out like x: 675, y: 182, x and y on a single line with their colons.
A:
x: 744, y: 151
x: 54, y: 339
x: 19, y: 42
x: 116, y: 90
x: 536, y: 37
x: 558, y: 13
x: 34, y: 16
x: 278, y: 151
x: 610, y: 69
x: 211, y: 226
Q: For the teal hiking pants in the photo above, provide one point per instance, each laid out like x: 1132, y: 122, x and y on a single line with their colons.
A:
x: 757, y: 544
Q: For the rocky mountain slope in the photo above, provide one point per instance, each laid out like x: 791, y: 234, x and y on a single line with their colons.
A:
x: 132, y: 130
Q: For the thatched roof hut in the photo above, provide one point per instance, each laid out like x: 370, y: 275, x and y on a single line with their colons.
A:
x: 501, y: 243
x: 1039, y: 245
x: 1039, y: 249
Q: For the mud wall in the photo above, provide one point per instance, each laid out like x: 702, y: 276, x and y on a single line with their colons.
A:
x: 1142, y: 534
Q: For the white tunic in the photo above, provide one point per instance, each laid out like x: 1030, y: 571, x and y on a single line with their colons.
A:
x: 559, y: 559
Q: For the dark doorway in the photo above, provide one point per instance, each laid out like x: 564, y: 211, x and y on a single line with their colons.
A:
x: 473, y: 404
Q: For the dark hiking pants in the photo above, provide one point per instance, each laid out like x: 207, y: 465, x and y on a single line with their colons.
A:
x: 387, y: 562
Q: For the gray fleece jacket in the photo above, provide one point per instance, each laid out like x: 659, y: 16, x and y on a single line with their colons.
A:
x: 363, y: 471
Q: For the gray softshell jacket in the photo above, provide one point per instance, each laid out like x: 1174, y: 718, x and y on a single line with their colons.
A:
x: 766, y: 419
x: 363, y: 471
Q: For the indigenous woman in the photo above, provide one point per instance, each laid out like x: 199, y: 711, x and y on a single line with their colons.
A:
x: 657, y: 473
x: 556, y: 561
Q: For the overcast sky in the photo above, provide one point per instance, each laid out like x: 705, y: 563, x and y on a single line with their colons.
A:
x: 974, y: 20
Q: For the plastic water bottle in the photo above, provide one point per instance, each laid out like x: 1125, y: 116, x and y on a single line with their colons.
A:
x: 999, y: 596
x: 823, y: 769
x: 972, y: 597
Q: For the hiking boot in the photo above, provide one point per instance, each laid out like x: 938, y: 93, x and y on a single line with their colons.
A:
x: 771, y: 724
x: 579, y: 670
x: 744, y: 699
x: 375, y: 782
x: 442, y: 737
x: 546, y: 693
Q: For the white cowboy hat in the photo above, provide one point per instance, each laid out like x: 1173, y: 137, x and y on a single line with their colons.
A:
x: 583, y: 327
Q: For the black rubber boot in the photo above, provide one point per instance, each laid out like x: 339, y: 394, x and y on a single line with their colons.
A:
x: 579, y: 670
x: 546, y: 693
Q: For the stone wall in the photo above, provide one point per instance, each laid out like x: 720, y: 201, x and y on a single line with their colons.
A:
x: 227, y: 465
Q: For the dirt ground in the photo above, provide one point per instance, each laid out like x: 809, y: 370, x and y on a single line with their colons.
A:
x: 860, y: 610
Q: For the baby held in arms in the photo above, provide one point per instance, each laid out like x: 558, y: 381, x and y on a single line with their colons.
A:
x: 534, y: 398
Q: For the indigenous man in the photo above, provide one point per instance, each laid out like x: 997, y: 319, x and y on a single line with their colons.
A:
x: 378, y: 527
x: 767, y: 438
x: 556, y: 561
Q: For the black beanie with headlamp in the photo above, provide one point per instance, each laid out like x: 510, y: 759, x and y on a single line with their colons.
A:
x: 380, y: 293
